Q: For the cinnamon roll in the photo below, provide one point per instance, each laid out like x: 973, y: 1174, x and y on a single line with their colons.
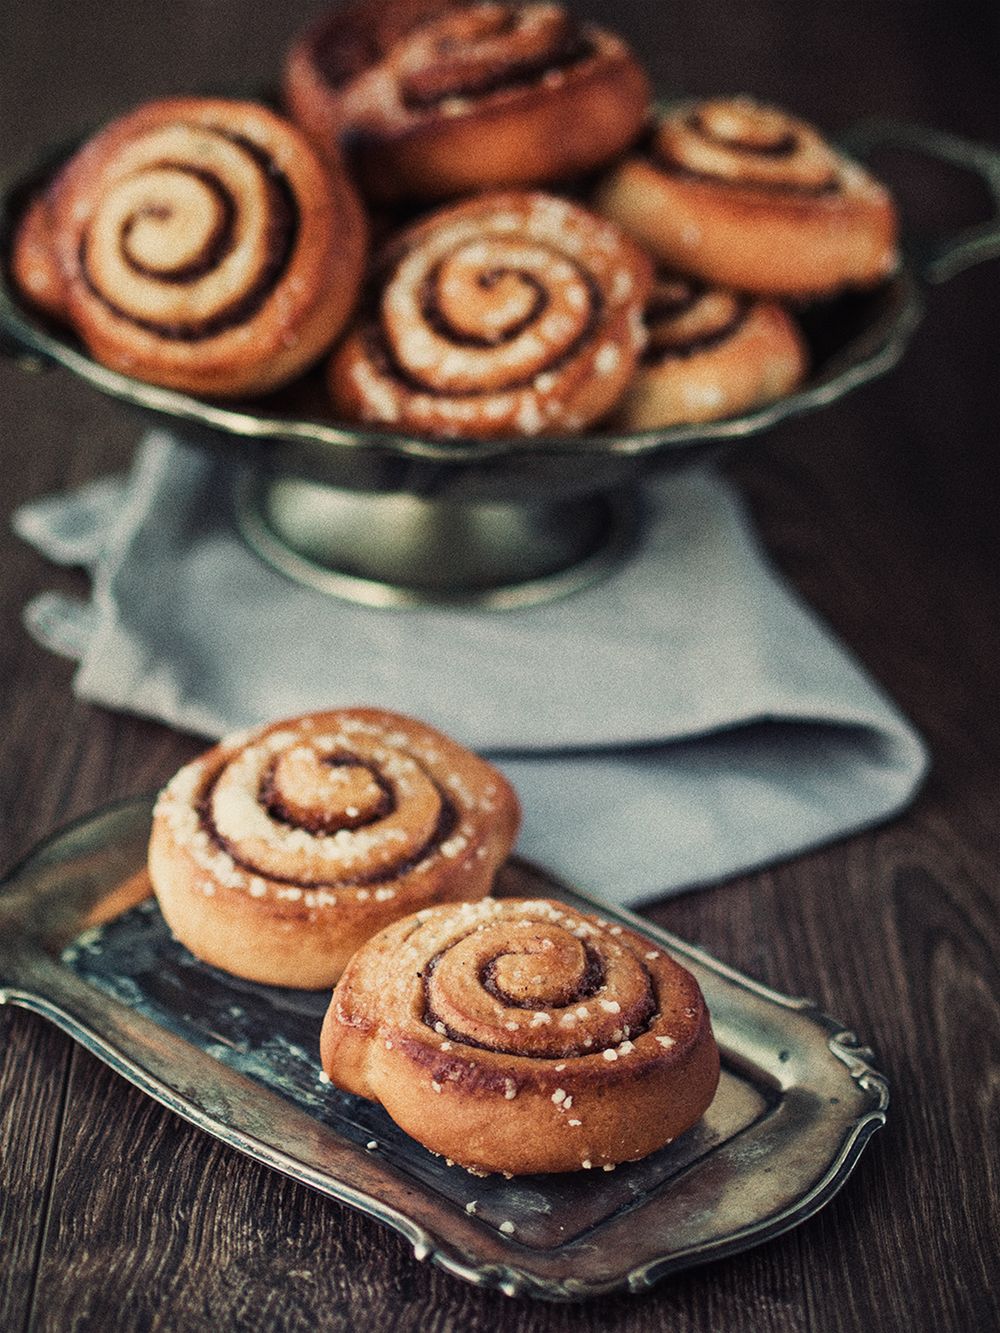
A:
x: 711, y: 354
x: 206, y: 247
x: 439, y: 98
x: 33, y: 263
x: 277, y: 853
x: 749, y: 197
x: 513, y: 313
x: 522, y: 1036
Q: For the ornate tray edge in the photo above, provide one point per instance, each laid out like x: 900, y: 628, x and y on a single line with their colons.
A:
x: 508, y: 1279
x: 843, y: 1044
x: 242, y: 423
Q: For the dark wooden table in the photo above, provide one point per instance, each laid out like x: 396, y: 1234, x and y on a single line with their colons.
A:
x: 882, y: 511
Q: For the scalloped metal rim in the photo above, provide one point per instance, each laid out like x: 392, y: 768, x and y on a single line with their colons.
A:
x: 883, y: 349
x: 510, y: 1280
x: 246, y: 425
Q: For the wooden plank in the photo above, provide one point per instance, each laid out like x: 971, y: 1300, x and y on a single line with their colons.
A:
x: 34, y: 1068
x: 882, y: 512
x: 157, y: 1216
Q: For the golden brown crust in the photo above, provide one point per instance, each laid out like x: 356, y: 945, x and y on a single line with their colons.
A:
x: 339, y: 46
x: 444, y: 99
x: 747, y: 197
x: 206, y: 247
x: 521, y: 1036
x: 33, y: 262
x: 509, y: 314
x: 711, y: 354
x: 277, y: 853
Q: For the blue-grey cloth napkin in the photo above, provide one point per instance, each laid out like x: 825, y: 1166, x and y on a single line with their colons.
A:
x: 684, y: 720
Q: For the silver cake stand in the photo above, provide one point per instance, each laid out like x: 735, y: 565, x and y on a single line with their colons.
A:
x: 396, y: 520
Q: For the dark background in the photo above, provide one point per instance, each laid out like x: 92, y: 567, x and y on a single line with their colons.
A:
x: 881, y: 510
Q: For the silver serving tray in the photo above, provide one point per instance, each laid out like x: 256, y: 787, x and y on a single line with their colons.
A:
x: 82, y: 944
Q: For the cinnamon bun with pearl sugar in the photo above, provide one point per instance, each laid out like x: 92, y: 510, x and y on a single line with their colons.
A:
x: 441, y: 99
x: 205, y: 246
x: 711, y: 354
x: 509, y: 314
x: 748, y: 197
x: 278, y: 852
x: 522, y: 1036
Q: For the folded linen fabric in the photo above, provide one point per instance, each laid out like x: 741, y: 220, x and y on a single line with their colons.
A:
x: 684, y: 720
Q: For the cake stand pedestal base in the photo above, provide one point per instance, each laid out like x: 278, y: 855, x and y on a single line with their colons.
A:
x: 400, y: 550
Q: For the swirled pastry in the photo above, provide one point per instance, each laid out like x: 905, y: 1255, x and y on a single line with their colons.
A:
x: 711, y: 354
x: 439, y: 98
x: 522, y: 1036
x: 748, y: 197
x: 205, y: 246
x: 277, y: 853
x: 509, y: 314
x: 33, y: 262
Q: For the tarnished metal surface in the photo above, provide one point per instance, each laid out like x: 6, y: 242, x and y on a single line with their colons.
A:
x: 82, y: 944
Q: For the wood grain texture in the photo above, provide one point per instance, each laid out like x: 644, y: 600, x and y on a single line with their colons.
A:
x: 34, y: 1062
x: 881, y: 511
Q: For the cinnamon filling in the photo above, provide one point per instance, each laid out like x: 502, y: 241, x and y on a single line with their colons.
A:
x: 487, y: 280
x: 638, y: 1021
x: 588, y: 985
x: 317, y: 821
x: 670, y: 167
x: 658, y: 356
x: 672, y: 298
x: 282, y: 233
x: 426, y: 90
x: 354, y: 40
x: 439, y: 50
x: 383, y: 356
x: 671, y: 303
x: 783, y: 145
x: 217, y: 245
x: 446, y: 824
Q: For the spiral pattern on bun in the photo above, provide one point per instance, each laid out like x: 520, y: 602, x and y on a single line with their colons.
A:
x: 443, y: 98
x: 747, y: 144
x: 523, y: 1036
x: 277, y: 853
x: 206, y: 247
x: 711, y: 354
x: 749, y: 197
x: 510, y: 314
